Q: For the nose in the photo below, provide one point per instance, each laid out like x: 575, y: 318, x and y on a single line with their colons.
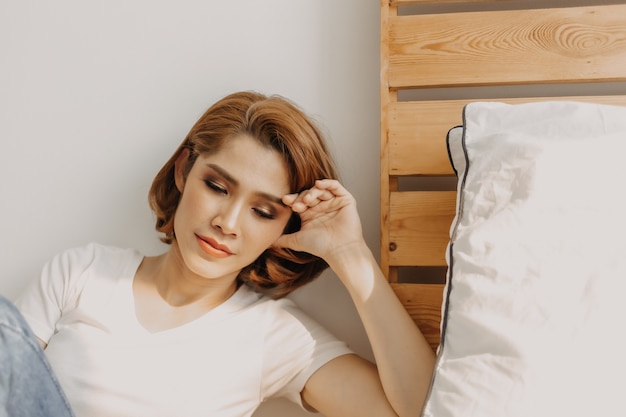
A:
x: 228, y: 218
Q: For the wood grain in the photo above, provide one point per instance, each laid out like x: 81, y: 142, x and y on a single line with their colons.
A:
x: 508, y: 47
x: 498, y: 48
x: 419, y: 227
x: 417, y: 131
x: 423, y: 302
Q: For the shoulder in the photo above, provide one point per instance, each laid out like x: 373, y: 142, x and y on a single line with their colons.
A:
x: 73, y: 267
x: 278, y: 320
x: 62, y: 282
x: 94, y: 254
x: 276, y: 312
x: 286, y: 325
x: 94, y: 249
x: 295, y: 345
x: 279, y: 326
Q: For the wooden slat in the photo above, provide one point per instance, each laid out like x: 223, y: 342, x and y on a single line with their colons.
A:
x: 417, y: 137
x: 479, y: 48
x: 423, y: 302
x: 419, y: 227
x: 417, y: 131
x: 584, y: 44
x: 387, y: 96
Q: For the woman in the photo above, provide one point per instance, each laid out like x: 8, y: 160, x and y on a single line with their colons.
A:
x: 252, y: 210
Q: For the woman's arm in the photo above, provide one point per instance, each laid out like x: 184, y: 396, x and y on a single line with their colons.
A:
x: 404, y: 359
x: 349, y: 385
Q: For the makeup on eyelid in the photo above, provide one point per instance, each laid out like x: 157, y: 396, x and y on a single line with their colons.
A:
x: 230, y: 179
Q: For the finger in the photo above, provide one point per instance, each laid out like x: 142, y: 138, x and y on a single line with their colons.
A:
x: 322, y: 190
x: 289, y: 199
x: 300, y: 202
x: 315, y: 195
x: 310, y: 198
x: 333, y: 186
x: 307, y: 196
x: 325, y: 195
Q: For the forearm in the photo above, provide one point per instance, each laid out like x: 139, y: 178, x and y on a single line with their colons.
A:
x: 404, y: 359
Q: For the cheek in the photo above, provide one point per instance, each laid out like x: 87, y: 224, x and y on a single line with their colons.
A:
x: 194, y: 200
x: 269, y: 233
x: 187, y: 209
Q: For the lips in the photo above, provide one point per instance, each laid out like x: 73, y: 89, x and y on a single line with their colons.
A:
x: 213, y: 248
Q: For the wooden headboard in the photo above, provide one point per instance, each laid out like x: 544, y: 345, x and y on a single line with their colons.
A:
x: 436, y: 56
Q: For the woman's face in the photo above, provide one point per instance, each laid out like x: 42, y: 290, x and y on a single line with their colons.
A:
x: 230, y: 209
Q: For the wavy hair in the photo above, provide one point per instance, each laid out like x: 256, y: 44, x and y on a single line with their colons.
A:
x: 276, y: 123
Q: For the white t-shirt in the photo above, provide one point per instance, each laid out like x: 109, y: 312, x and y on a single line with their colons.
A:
x: 224, y: 363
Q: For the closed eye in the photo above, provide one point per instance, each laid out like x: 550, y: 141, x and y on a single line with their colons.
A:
x: 264, y: 213
x: 216, y: 187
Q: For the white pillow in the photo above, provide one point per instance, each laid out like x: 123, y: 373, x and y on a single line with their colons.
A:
x: 535, y: 297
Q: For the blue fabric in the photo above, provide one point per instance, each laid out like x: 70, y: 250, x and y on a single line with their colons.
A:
x: 28, y: 387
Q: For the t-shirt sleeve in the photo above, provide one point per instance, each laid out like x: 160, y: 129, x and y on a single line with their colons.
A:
x: 55, y: 291
x: 296, y: 347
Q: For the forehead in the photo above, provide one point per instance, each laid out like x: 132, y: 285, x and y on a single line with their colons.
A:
x: 249, y: 163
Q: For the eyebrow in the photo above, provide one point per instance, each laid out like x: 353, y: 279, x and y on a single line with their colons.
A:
x: 232, y: 180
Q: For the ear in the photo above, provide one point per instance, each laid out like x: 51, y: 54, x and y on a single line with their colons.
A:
x: 180, y: 169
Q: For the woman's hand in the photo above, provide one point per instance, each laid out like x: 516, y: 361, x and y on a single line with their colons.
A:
x: 330, y: 221
x: 331, y: 229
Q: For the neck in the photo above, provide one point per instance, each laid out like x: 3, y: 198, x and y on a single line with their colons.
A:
x: 167, y: 296
x: 178, y: 286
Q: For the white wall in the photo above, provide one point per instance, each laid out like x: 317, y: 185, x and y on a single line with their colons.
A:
x: 95, y: 95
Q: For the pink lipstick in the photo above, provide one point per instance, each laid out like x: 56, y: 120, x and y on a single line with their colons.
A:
x: 212, y: 248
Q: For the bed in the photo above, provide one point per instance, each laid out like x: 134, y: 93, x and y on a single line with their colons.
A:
x: 468, y: 87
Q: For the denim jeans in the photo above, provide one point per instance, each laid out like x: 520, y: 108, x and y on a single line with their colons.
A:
x: 28, y: 387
